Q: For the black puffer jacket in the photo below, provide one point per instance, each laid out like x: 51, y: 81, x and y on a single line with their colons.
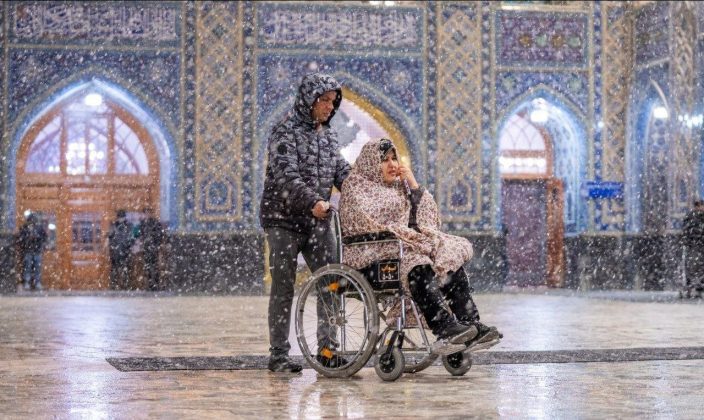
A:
x: 304, y: 164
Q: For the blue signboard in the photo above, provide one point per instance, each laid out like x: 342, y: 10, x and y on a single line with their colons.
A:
x: 601, y: 189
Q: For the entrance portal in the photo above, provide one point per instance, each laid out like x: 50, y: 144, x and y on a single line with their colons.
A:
x: 532, y: 202
x: 78, y: 164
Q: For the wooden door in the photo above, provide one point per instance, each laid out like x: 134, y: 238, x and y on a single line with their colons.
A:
x: 524, y: 217
x: 555, y: 233
x: 77, y: 166
x: 87, y: 264
x: 532, y: 213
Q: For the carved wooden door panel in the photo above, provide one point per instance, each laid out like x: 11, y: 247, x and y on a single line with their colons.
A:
x: 556, y: 233
x: 524, y: 216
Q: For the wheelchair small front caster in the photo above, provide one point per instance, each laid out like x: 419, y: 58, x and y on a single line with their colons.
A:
x: 389, y: 366
x: 458, y: 363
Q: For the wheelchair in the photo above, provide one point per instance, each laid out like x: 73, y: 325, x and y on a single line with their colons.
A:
x: 342, y: 307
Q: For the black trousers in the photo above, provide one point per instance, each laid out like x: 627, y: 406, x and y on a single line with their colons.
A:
x: 319, y: 248
x: 151, y: 267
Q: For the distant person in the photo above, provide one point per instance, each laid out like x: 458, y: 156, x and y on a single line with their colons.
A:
x: 120, y: 241
x: 31, y: 239
x: 693, y: 241
x: 503, y: 244
x: 151, y: 233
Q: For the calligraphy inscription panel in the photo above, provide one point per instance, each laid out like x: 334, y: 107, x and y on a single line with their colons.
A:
x: 86, y: 23
x: 339, y: 27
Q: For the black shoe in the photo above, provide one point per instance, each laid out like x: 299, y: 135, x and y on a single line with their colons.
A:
x: 283, y: 364
x: 483, y: 329
x: 330, y: 360
x: 486, y: 335
x: 457, y: 333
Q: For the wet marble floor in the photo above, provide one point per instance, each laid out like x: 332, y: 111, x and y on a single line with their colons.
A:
x: 53, y: 352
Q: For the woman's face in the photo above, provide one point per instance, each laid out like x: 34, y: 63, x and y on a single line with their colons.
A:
x: 389, y: 168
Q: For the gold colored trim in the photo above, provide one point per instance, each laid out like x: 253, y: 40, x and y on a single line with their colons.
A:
x: 639, y: 4
x: 571, y: 7
x: 544, y: 69
x: 465, y: 132
x: 493, y: 129
x: 182, y: 112
x: 210, y: 128
x: 346, y: 53
x: 653, y: 63
x: 91, y: 47
x: 384, y: 121
x: 4, y: 136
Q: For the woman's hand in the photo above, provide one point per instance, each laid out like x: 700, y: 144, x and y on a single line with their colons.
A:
x: 406, y: 174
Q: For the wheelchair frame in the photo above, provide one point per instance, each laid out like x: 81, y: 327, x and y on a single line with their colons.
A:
x: 335, y: 284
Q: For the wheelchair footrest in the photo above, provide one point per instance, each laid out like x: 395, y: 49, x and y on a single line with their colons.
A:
x: 484, y: 346
x: 445, y: 348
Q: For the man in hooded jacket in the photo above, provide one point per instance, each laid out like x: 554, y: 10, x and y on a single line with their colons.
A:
x: 303, y: 165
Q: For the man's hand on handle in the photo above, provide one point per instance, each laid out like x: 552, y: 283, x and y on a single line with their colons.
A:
x: 320, y: 209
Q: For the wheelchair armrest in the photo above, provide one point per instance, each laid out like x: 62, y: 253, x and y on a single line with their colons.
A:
x: 369, y: 237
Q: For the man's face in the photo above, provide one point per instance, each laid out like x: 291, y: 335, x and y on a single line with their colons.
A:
x: 323, y: 106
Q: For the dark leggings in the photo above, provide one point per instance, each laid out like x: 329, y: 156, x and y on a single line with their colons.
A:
x: 433, y: 299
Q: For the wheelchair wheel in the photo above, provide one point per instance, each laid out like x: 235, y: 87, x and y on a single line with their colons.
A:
x: 415, y: 351
x: 337, y: 312
x: 390, y: 366
x: 458, y: 363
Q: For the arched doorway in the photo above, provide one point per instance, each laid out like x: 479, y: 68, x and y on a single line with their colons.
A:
x: 77, y: 164
x: 357, y: 121
x: 654, y: 176
x: 533, y: 194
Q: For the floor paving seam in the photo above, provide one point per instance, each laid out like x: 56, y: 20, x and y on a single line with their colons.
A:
x: 255, y: 362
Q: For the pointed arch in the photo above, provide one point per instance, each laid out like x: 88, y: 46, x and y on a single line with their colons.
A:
x: 388, y: 114
x: 383, y: 110
x: 569, y: 148
x: 395, y: 118
x: 643, y: 191
x: 140, y: 107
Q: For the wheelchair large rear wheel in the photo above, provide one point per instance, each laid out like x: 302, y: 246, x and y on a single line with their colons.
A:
x: 337, y: 321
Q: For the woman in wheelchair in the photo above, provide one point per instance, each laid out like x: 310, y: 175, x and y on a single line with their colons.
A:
x: 379, y: 195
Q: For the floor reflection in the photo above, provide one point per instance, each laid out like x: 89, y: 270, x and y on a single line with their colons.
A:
x: 53, y: 350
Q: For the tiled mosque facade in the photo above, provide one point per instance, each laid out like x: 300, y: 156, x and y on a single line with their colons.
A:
x: 212, y: 77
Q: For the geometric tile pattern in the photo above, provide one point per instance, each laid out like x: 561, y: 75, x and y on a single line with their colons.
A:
x: 616, y: 81
x: 216, y: 73
x: 512, y: 85
x: 685, y: 152
x: 89, y: 23
x: 218, y: 122
x: 3, y: 118
x: 459, y: 116
x: 49, y: 47
x: 541, y: 39
x: 345, y: 26
x: 651, y: 26
x: 615, y: 58
x: 385, y: 64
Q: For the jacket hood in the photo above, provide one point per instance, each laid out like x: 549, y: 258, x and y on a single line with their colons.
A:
x: 368, y: 163
x: 312, y: 86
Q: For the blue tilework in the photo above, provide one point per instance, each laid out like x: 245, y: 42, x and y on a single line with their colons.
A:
x: 541, y: 39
